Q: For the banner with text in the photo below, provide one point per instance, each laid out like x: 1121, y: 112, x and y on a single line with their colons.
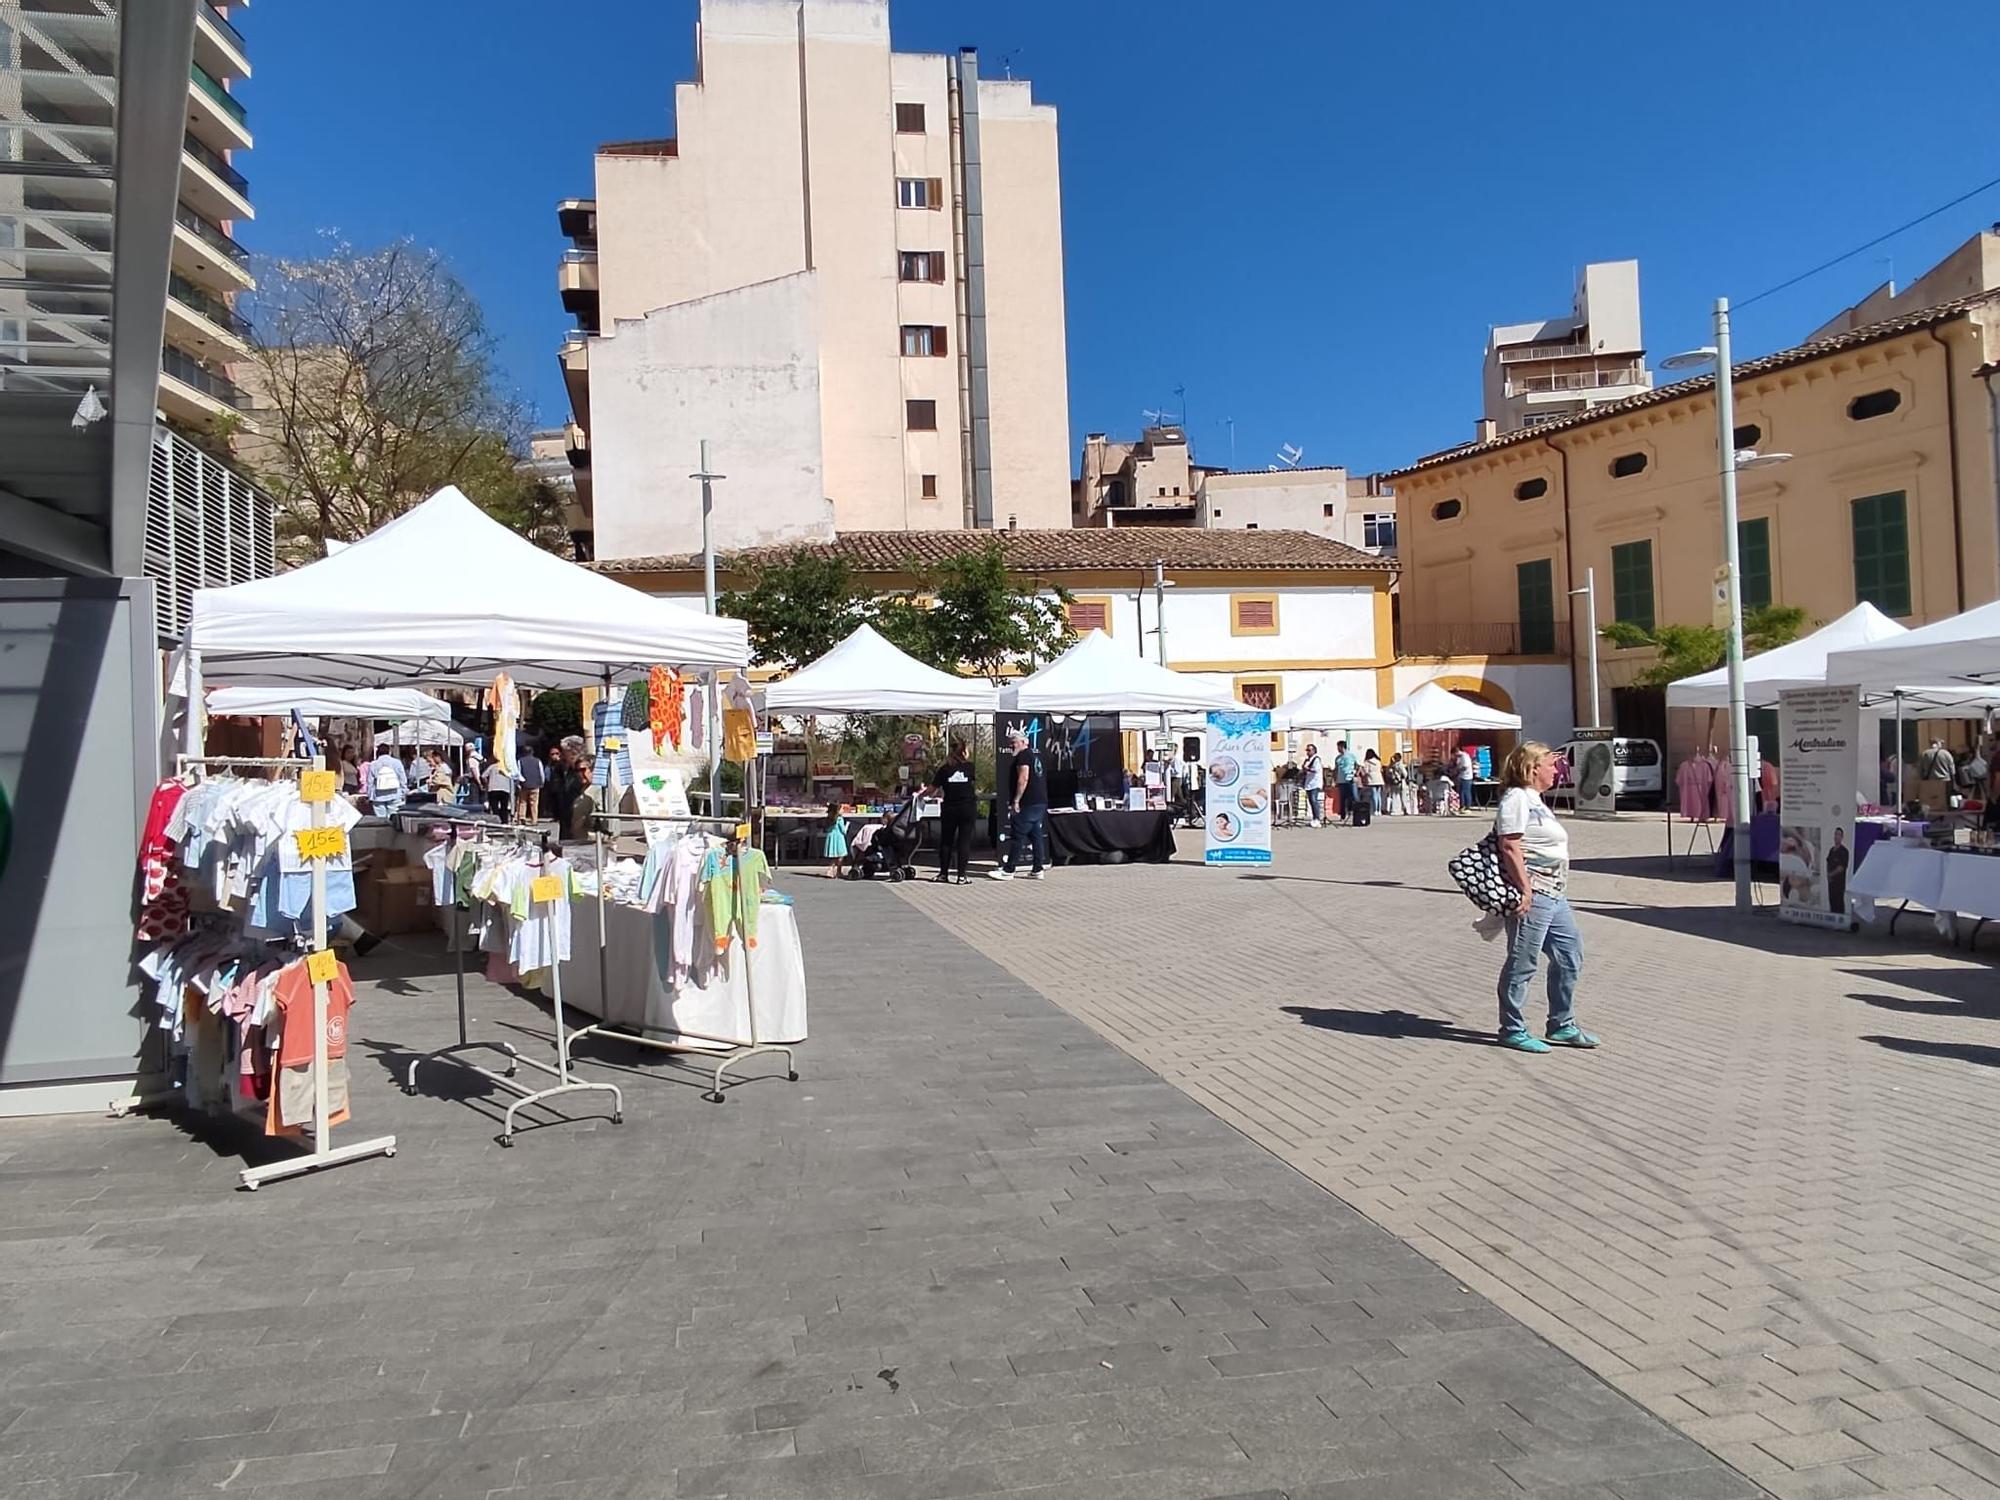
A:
x: 1238, y: 824
x: 1817, y: 730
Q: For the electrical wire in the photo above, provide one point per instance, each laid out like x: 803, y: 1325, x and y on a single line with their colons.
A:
x: 1858, y: 249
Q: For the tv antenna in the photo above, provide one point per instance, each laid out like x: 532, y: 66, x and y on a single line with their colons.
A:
x: 1007, y: 62
x: 1289, y: 455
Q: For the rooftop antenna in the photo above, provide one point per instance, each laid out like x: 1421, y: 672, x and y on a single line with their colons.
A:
x: 1289, y: 454
x: 1007, y: 62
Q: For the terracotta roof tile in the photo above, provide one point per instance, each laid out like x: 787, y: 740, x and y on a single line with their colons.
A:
x: 1798, y: 354
x: 1185, y: 549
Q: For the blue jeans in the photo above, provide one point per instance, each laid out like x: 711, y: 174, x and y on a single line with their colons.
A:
x: 1346, y: 800
x: 1316, y: 800
x: 1547, y: 925
x: 1465, y: 793
x: 1025, y: 827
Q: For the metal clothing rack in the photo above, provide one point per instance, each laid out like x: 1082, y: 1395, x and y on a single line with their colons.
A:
x: 566, y: 1081
x: 324, y: 1153
x: 725, y: 1051
x: 458, y: 937
x: 1696, y: 827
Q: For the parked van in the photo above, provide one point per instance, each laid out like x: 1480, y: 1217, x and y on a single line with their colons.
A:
x: 1638, y: 770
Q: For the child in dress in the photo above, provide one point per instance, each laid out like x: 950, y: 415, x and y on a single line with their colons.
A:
x: 836, y: 841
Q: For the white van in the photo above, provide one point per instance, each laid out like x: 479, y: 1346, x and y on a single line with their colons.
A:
x: 1638, y: 770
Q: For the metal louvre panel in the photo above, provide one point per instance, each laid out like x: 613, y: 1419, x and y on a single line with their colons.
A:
x: 206, y: 527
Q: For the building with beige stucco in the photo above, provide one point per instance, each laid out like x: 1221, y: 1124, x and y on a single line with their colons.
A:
x: 1891, y: 495
x: 844, y: 270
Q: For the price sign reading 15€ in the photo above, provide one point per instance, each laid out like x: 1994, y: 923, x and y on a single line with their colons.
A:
x: 321, y: 843
x: 545, y: 888
x: 318, y: 786
x: 322, y: 967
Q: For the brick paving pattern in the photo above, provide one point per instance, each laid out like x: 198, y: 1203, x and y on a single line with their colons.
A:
x: 1766, y: 1209
x: 976, y: 1250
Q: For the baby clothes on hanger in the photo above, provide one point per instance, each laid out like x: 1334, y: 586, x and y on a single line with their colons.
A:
x: 730, y: 902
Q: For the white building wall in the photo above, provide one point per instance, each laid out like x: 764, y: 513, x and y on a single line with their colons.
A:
x: 740, y: 369
x: 1540, y: 692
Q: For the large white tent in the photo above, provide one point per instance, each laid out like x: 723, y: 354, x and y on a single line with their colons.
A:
x: 1096, y: 675
x: 865, y: 674
x: 1322, y: 706
x: 391, y: 704
x: 1432, y: 707
x: 1807, y: 663
x: 1962, y: 649
x: 446, y: 594
x: 423, y: 732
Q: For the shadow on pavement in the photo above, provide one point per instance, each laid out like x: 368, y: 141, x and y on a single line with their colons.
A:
x: 1964, y: 992
x: 1395, y: 1024
x: 1761, y: 930
x: 1972, y: 1052
x: 1682, y: 869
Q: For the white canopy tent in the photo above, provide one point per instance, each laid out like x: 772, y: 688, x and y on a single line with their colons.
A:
x: 1098, y: 676
x: 390, y: 704
x: 446, y: 594
x: 865, y: 674
x: 1432, y: 707
x: 1322, y: 706
x: 1963, y: 649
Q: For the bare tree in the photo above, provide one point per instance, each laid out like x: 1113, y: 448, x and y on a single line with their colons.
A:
x: 374, y: 379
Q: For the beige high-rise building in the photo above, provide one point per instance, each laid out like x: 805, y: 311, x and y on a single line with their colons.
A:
x: 844, y: 271
x: 1557, y: 367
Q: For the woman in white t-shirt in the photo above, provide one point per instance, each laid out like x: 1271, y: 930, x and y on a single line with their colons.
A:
x: 1534, y: 856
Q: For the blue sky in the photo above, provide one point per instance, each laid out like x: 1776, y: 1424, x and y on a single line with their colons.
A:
x: 1352, y: 193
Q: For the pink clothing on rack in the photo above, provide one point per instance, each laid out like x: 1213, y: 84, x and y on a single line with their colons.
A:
x: 1696, y: 781
x: 1725, y: 791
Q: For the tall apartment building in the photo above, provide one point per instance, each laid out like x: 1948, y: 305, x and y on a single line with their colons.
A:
x: 1545, y: 371
x: 206, y: 524
x: 844, y: 271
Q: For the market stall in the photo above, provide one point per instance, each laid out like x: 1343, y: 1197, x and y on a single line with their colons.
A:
x: 1445, y: 717
x: 1097, y: 678
x: 447, y: 595
x: 1323, y: 707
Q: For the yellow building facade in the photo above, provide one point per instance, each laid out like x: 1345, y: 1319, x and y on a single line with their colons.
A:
x: 1891, y: 494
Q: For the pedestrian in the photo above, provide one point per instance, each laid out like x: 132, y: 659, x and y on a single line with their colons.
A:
x: 1364, y: 789
x: 835, y: 846
x: 499, y: 789
x: 1313, y: 772
x: 350, y: 771
x: 1344, y: 765
x: 1534, y: 857
x: 1027, y: 791
x: 558, y: 786
x: 1372, y: 764
x: 532, y: 775
x: 582, y: 802
x: 1461, y: 773
x: 437, y: 775
x: 954, y: 782
x: 388, y: 783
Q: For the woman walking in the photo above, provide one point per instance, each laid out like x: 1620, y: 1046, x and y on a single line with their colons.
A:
x: 954, y: 782
x: 1534, y: 856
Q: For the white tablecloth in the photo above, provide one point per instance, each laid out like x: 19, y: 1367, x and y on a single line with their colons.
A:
x: 1945, y: 882
x: 636, y: 961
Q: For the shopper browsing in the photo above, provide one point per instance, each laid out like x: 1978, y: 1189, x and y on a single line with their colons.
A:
x: 1365, y: 771
x: 1027, y: 791
x: 1312, y: 770
x: 499, y: 790
x: 532, y: 775
x: 1461, y: 773
x: 388, y: 783
x: 582, y: 802
x: 835, y: 847
x: 954, y: 784
x: 1534, y: 858
x: 1371, y: 765
x: 1344, y: 766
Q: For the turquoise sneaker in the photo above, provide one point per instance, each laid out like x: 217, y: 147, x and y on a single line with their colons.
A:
x: 1522, y: 1041
x: 1572, y: 1035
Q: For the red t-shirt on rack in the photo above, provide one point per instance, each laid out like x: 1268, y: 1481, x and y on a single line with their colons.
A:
x: 294, y: 995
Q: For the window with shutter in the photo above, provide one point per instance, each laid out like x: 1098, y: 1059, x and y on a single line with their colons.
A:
x: 920, y: 416
x: 920, y: 339
x: 1086, y: 615
x: 1535, y: 588
x: 937, y: 342
x: 930, y: 486
x: 909, y: 119
x: 1882, y: 552
x: 1753, y: 556
x: 1632, y: 583
x: 1253, y: 614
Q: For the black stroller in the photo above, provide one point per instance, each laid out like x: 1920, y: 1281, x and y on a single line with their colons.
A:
x: 892, y: 848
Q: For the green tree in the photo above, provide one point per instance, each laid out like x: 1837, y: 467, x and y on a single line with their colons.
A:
x: 798, y: 608
x: 1689, y: 650
x: 973, y: 611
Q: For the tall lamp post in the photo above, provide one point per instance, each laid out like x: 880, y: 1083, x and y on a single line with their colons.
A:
x: 1588, y: 593
x: 711, y: 709
x: 1730, y: 460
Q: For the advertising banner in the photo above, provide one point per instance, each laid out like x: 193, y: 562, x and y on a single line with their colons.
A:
x: 1816, y: 734
x: 1593, y: 771
x: 1238, y: 820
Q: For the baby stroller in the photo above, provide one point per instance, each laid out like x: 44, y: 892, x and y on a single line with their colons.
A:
x: 891, y: 850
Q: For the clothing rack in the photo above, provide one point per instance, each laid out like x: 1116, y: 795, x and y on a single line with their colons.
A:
x: 324, y: 1153
x: 458, y: 936
x: 727, y: 1053
x: 566, y: 1081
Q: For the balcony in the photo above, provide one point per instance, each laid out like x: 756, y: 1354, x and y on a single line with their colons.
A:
x: 1516, y: 354
x: 214, y: 113
x: 576, y: 278
x: 1576, y: 380
x: 204, y: 322
x: 193, y: 394
x: 207, y: 255
x: 575, y: 358
x: 577, y: 218
x: 218, y: 45
x: 576, y: 442
x: 210, y: 185
x: 1484, y: 638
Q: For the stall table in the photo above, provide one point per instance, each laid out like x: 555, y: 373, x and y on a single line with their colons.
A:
x: 1087, y: 837
x: 1946, y: 882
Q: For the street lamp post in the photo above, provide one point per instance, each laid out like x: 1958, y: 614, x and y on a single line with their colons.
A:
x: 1588, y: 593
x: 711, y: 709
x: 1731, y: 460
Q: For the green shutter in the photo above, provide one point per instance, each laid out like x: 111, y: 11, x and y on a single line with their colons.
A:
x: 1753, y: 556
x: 1632, y: 583
x: 1882, y: 552
x: 1536, y: 583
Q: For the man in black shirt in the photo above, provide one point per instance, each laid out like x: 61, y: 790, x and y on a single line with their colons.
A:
x: 1027, y: 791
x: 953, y: 780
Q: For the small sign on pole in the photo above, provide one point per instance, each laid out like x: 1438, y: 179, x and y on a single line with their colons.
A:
x: 1719, y: 614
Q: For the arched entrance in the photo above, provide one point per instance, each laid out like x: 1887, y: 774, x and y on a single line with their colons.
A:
x: 1438, y: 746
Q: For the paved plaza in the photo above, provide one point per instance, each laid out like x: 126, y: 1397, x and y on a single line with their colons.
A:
x: 1766, y: 1209
x: 975, y: 1250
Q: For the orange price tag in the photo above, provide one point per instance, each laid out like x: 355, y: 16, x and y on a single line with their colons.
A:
x: 318, y: 786
x: 321, y: 843
x: 321, y: 967
x: 546, y: 888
